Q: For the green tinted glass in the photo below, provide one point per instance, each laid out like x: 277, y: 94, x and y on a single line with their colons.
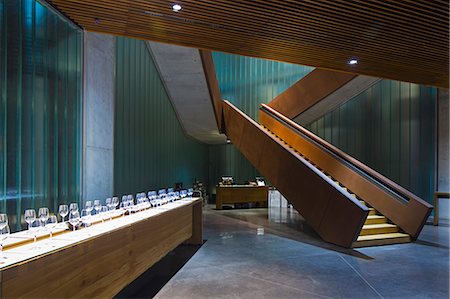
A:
x: 151, y: 150
x: 40, y: 83
x: 391, y: 128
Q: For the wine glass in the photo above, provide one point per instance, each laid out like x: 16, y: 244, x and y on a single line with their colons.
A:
x: 109, y: 206
x: 43, y: 215
x: 89, y: 206
x: 4, y: 234
x: 74, y: 218
x: 97, y: 206
x: 123, y: 208
x: 30, y: 216
x: 108, y: 202
x: 130, y: 199
x: 103, y: 212
x: 73, y: 207
x: 115, y: 202
x: 63, y: 211
x: 3, y: 221
x: 85, y: 215
x: 52, y: 222
x: 146, y: 202
x: 35, y: 227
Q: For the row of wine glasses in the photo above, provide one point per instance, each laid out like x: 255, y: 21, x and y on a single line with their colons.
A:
x: 44, y: 220
x: 4, y: 233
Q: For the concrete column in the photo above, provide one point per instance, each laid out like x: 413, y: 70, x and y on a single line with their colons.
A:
x: 443, y: 153
x: 98, y: 118
x: 443, y: 140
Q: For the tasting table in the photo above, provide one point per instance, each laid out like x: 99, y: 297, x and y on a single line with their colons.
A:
x: 231, y: 194
x: 99, y: 260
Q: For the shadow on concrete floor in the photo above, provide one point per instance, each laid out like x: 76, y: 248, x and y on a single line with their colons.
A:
x: 287, y: 223
x: 151, y: 281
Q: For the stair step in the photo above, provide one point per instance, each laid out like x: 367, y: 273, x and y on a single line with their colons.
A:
x: 375, y: 229
x: 372, y: 211
x: 375, y: 219
x: 381, y: 239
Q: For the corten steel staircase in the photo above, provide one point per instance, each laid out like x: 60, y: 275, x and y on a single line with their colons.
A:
x: 343, y: 200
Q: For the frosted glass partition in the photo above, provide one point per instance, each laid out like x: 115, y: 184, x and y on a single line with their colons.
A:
x: 40, y: 87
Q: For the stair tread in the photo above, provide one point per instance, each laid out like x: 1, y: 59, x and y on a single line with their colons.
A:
x: 382, y: 236
x: 378, y: 225
x: 375, y: 217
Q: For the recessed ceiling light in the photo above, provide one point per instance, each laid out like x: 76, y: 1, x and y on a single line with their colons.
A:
x: 176, y: 7
x: 353, y: 61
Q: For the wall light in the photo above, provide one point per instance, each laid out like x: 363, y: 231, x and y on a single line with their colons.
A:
x: 353, y: 61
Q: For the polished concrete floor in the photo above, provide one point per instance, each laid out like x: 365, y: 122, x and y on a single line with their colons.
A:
x: 289, y: 261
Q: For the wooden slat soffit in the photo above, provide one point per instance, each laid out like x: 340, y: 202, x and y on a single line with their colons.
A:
x: 404, y: 40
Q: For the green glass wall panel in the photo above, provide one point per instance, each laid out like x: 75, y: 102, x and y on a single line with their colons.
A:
x: 247, y: 82
x: 391, y: 128
x: 40, y: 81
x: 151, y: 150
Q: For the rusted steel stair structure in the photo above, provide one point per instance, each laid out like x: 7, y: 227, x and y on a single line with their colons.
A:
x: 344, y: 201
x: 395, y: 214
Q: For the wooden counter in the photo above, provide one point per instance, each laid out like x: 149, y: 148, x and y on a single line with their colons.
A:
x: 241, y: 194
x: 100, y: 260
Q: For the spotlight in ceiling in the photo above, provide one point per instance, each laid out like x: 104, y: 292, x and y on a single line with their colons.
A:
x: 353, y: 61
x: 176, y: 7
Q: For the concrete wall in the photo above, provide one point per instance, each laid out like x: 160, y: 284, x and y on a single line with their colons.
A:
x: 98, y: 116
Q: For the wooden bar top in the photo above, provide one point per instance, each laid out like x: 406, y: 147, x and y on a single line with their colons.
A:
x: 98, y: 261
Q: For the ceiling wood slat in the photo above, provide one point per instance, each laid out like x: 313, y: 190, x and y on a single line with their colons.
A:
x: 402, y: 40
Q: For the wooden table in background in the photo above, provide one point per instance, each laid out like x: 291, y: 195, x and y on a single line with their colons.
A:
x: 102, y: 265
x: 438, y: 195
x: 241, y: 194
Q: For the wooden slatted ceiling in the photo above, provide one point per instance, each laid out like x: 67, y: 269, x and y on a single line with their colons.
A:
x: 406, y: 40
